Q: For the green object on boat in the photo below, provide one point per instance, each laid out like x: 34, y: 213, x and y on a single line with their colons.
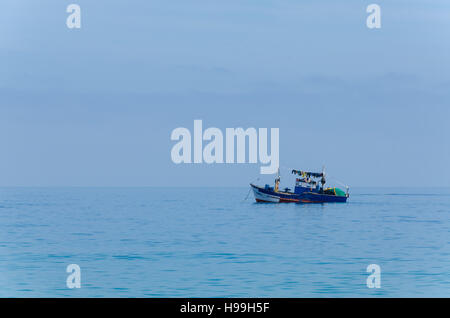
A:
x: 339, y: 192
x: 335, y: 191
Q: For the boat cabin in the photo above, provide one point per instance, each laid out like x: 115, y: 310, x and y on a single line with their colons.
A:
x: 305, y: 185
x: 308, y: 181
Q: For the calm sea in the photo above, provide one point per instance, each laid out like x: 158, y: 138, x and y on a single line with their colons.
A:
x: 208, y: 242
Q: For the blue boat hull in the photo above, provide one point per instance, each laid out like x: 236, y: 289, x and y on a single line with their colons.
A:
x: 309, y: 197
x: 271, y: 196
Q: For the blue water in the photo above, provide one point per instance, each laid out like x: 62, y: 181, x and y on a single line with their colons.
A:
x: 208, y: 242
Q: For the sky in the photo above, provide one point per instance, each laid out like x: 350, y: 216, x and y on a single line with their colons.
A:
x: 96, y: 106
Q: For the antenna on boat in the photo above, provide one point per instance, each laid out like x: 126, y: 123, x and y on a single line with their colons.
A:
x: 277, y: 180
x: 322, y: 181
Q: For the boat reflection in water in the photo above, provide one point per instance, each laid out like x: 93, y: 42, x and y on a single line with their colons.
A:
x: 309, y: 188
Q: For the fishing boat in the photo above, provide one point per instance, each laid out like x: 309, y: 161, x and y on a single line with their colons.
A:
x: 309, y: 188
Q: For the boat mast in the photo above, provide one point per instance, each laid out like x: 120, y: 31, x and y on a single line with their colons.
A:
x: 277, y: 180
x: 322, y: 181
